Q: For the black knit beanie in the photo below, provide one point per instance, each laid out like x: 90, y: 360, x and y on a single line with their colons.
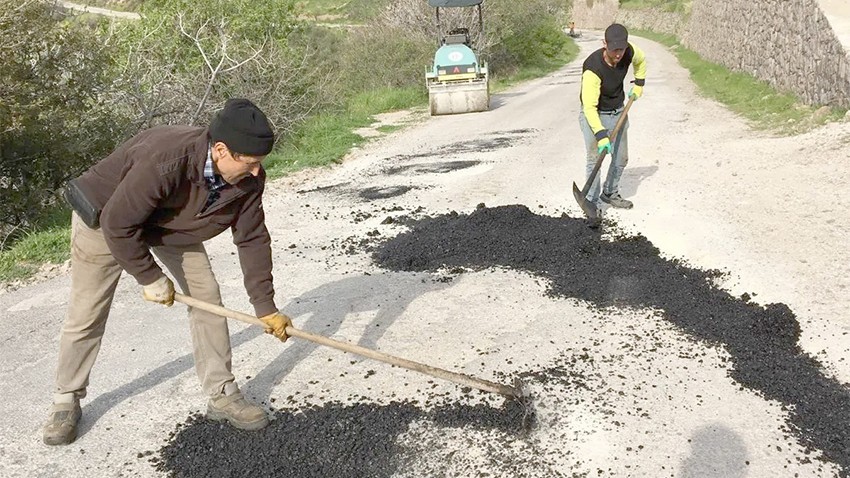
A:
x: 243, y: 128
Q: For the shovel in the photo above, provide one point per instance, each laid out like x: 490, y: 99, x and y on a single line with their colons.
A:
x: 510, y: 392
x: 588, y: 207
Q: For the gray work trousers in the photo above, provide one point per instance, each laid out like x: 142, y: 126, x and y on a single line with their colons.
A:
x: 619, y: 154
x: 94, y: 277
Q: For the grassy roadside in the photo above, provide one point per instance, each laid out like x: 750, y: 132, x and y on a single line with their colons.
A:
x: 749, y: 97
x: 345, y: 11
x: 566, y: 55
x: 25, y: 258
x: 327, y: 137
x: 320, y: 141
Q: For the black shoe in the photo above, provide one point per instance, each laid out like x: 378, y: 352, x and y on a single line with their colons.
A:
x: 615, y: 200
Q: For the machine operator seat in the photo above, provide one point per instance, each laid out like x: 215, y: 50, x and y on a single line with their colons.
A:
x: 458, y: 36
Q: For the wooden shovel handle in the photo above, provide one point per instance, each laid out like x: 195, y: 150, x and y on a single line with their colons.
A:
x: 621, y: 120
x: 457, y: 378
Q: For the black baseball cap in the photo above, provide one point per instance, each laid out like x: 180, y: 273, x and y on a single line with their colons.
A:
x: 616, y: 37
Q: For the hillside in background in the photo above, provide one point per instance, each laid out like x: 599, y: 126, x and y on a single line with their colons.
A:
x: 320, y: 10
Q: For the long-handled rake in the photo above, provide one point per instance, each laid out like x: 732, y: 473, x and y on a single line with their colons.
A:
x: 514, y: 392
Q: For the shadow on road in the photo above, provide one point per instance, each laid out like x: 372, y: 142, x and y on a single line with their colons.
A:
x: 98, y: 407
x: 499, y: 100
x: 387, y: 294
x: 632, y: 177
x: 716, y: 451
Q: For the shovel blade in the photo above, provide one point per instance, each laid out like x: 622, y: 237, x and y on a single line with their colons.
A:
x: 588, y: 207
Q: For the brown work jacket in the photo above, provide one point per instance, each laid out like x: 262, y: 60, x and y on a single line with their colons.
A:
x: 153, y: 193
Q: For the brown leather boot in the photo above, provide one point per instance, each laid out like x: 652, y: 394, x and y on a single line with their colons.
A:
x: 237, y: 411
x: 61, y: 427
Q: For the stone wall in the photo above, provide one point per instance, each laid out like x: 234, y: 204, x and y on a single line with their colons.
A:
x: 787, y: 43
x: 594, y: 14
x: 655, y: 20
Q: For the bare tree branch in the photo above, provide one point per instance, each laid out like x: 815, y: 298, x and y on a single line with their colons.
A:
x: 195, y: 38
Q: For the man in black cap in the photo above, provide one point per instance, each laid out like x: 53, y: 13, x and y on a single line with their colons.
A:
x: 602, y: 97
x: 164, y: 192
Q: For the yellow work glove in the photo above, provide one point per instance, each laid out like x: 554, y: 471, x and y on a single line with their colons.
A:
x: 160, y: 291
x: 603, y: 144
x: 635, y: 92
x: 276, y: 325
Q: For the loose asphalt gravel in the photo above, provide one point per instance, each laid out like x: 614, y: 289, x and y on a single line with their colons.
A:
x: 332, y: 440
x: 362, y: 439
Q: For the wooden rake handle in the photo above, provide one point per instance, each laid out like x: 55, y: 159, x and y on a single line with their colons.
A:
x: 457, y: 378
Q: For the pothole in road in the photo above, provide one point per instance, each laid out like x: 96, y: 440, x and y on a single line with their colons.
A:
x: 372, y: 193
x: 492, y: 142
x: 328, y: 188
x: 426, y: 168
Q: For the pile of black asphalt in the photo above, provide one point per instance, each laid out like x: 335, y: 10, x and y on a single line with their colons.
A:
x: 332, y: 440
x: 617, y: 270
x: 629, y: 272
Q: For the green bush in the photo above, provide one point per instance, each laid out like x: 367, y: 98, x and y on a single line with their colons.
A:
x: 526, y: 34
x: 397, y: 46
x: 363, y: 10
x: 53, y: 123
x: 383, y: 57
x: 183, y: 59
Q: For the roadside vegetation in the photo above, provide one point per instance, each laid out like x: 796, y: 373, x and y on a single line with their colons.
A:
x: 46, y: 245
x: 342, y: 11
x: 327, y: 137
x: 78, y: 86
x: 762, y: 105
x: 751, y: 98
x: 679, y: 6
x: 118, y: 5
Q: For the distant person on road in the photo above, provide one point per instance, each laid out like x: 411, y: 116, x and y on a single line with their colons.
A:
x: 602, y: 98
x: 164, y: 192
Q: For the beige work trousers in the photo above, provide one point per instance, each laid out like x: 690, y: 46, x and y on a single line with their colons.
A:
x: 94, y: 277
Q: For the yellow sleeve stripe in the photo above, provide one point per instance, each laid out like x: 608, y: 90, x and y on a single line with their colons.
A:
x: 591, y: 86
x: 639, y: 64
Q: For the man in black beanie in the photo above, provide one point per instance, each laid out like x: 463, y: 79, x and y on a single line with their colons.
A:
x: 164, y: 192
